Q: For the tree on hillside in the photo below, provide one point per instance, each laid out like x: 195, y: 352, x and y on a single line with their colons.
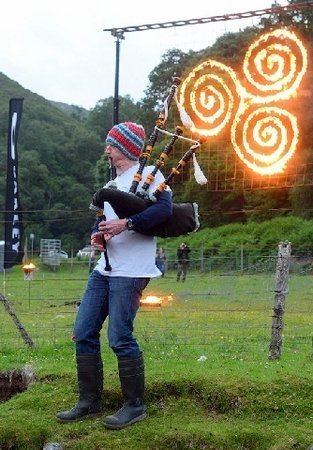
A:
x: 301, y: 200
x: 57, y: 160
x: 100, y: 117
x: 231, y: 47
x: 302, y: 19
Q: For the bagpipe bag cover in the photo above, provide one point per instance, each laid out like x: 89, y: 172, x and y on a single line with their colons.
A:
x: 184, y: 220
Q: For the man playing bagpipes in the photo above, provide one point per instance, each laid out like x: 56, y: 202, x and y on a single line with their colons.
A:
x: 115, y: 287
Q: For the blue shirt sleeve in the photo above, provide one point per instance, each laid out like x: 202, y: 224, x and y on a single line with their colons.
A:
x: 155, y: 214
x: 95, y: 228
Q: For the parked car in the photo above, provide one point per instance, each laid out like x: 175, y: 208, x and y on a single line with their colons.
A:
x: 60, y: 253
x: 85, y: 252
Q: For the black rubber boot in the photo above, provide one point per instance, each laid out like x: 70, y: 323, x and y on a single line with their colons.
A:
x: 90, y: 386
x: 132, y: 377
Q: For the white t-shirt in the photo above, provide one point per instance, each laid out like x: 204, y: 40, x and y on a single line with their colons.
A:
x: 131, y: 254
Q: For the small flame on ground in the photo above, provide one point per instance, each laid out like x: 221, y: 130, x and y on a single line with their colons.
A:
x: 29, y: 266
x: 153, y: 300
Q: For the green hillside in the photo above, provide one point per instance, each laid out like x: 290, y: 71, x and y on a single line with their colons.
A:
x: 256, y: 239
x: 57, y: 163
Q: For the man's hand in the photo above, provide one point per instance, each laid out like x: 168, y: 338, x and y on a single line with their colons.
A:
x: 111, y: 228
x: 97, y: 241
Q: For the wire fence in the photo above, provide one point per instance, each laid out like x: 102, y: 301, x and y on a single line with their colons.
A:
x: 225, y: 305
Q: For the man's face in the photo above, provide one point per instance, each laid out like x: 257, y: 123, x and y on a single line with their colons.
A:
x: 114, y: 154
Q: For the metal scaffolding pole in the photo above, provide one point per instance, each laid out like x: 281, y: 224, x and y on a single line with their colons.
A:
x: 119, y: 36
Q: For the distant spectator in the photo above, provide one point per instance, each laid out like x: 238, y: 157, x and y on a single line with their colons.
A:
x: 160, y: 260
x: 182, y: 261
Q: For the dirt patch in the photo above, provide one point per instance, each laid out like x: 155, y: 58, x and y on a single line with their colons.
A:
x: 14, y: 381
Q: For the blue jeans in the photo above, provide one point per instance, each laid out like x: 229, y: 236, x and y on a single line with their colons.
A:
x: 117, y: 298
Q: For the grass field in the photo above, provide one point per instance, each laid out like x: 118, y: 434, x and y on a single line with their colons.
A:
x: 234, y: 397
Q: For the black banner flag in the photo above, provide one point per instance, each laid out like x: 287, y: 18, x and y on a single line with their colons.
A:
x: 13, y: 251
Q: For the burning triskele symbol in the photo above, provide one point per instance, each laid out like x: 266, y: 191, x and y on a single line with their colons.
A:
x: 263, y: 134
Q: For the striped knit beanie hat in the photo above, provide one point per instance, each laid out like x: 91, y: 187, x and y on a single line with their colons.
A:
x: 128, y: 138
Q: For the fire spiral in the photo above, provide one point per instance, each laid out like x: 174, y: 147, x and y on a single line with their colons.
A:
x: 265, y: 138
x: 274, y: 66
x: 209, y: 93
x: 264, y: 135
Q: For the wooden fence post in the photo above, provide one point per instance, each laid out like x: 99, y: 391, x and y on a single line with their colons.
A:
x: 26, y: 338
x: 241, y: 257
x: 281, y: 290
x: 201, y: 259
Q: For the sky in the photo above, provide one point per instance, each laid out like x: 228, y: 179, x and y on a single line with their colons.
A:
x: 58, y: 49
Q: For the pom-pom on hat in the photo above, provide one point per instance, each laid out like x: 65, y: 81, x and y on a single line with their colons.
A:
x: 128, y: 138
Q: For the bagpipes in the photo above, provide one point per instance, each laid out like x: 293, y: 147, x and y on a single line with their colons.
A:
x: 159, y: 125
x: 185, y: 217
